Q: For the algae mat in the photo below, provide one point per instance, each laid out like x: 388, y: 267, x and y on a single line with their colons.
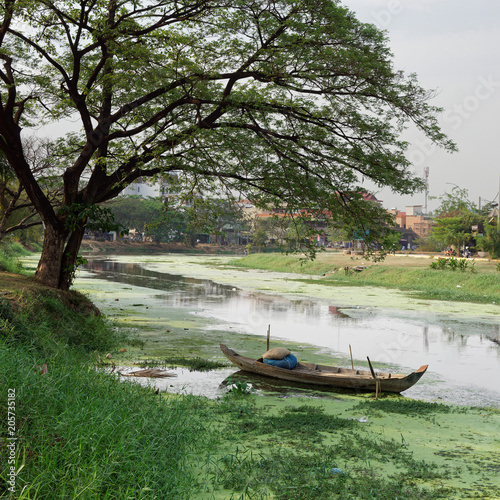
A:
x: 352, y: 448
x: 218, y: 268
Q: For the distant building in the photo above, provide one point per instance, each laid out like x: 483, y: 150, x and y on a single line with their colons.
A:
x: 144, y: 188
x: 413, y: 223
x: 150, y: 187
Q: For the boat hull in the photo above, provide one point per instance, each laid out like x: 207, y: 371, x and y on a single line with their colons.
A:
x: 329, y: 376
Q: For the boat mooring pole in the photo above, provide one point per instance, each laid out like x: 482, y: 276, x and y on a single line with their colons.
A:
x: 350, y: 350
x: 377, y: 381
x: 268, y: 335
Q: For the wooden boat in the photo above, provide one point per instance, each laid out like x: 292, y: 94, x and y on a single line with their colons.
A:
x: 331, y: 376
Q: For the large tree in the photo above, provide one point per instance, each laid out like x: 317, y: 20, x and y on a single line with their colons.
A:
x: 289, y: 102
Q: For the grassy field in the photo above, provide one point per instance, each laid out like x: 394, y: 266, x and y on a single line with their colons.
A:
x: 478, y: 282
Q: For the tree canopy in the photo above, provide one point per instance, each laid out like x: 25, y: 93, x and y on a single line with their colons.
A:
x: 459, y: 222
x: 287, y: 103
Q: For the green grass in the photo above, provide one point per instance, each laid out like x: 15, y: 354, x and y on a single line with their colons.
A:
x: 481, y: 286
x: 9, y: 257
x: 81, y: 433
x: 283, y: 263
x: 84, y: 434
x: 430, y: 283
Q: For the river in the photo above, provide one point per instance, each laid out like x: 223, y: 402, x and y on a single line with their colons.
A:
x: 188, y: 304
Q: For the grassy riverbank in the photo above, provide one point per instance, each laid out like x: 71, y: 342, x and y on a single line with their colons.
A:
x: 80, y: 432
x: 83, y: 433
x: 479, y: 282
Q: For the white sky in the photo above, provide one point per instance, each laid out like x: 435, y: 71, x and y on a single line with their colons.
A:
x: 454, y: 47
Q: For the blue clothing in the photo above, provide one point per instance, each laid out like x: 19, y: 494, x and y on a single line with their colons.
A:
x: 289, y: 362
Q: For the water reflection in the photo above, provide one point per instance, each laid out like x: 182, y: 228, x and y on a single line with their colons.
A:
x: 459, y: 353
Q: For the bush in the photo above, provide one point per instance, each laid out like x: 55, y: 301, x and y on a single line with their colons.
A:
x: 452, y: 263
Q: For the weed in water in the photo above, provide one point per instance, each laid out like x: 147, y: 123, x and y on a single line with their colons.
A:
x: 409, y: 407
x: 286, y: 474
x: 239, y: 387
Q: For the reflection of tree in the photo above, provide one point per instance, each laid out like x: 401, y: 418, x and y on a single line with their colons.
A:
x: 455, y: 338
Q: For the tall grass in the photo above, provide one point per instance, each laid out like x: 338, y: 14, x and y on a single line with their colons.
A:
x: 82, y: 433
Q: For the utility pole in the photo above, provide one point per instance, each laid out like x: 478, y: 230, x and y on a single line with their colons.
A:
x: 426, y: 174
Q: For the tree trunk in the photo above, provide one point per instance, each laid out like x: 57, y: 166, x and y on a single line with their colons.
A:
x: 49, y: 266
x: 69, y: 260
x: 57, y: 263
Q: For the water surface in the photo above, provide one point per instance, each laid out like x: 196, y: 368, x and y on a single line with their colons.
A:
x: 463, y: 352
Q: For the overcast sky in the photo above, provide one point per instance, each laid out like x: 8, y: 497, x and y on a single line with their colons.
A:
x: 454, y: 47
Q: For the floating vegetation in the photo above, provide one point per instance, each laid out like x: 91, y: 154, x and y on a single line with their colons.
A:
x: 406, y: 407
x: 303, y: 453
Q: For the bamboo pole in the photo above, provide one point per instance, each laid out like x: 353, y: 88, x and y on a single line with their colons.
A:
x: 268, y: 335
x: 350, y: 350
x: 377, y: 381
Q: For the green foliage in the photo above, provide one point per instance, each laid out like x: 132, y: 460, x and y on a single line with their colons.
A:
x: 260, y: 235
x: 238, y: 387
x: 455, y: 203
x: 214, y: 216
x: 184, y: 222
x: 285, y: 103
x: 16, y: 212
x: 194, y: 364
x: 9, y: 257
x: 404, y: 406
x: 454, y: 264
x: 390, y: 242
x: 491, y: 241
x: 440, y: 264
x: 456, y: 218
x: 455, y: 231
x: 91, y: 217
